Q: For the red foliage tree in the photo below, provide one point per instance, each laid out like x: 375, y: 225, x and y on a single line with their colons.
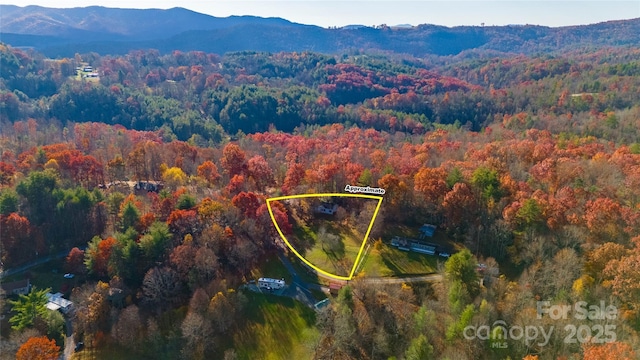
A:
x: 293, y: 178
x: 248, y: 203
x: 233, y: 159
x: 459, y: 205
x: 236, y: 184
x: 604, y: 219
x: 6, y: 173
x: 18, y: 246
x: 260, y: 172
x: 75, y: 261
x: 181, y: 259
x: 279, y: 214
x: 38, y: 348
x: 183, y: 222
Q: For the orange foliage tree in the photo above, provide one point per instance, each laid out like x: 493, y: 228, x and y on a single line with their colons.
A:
x: 613, y: 350
x: 38, y: 348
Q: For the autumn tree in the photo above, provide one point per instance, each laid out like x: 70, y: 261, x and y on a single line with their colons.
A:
x: 98, y: 255
x: 603, y: 217
x: 248, y: 203
x: 610, y: 350
x: 16, y: 244
x: 293, y: 178
x: 197, y: 331
x: 183, y: 222
x: 233, y: 160
x: 431, y: 183
x: 92, y: 308
x: 623, y: 275
x: 209, y: 172
x: 259, y: 170
x: 174, y: 177
x: 6, y: 173
x: 129, y: 329
x: 598, y: 259
x: 161, y: 287
x: 116, y: 169
x: 459, y: 207
x: 38, y: 348
x: 74, y: 262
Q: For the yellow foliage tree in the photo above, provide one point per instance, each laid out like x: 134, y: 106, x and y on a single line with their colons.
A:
x: 174, y: 177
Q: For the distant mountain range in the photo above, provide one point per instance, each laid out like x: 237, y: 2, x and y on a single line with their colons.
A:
x: 64, y: 32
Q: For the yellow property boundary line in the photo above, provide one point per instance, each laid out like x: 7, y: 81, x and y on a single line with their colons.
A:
x: 364, y: 241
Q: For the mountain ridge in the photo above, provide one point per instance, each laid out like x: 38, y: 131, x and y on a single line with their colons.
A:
x: 63, y: 32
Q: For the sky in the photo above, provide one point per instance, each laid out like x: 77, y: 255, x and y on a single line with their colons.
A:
x: 375, y: 12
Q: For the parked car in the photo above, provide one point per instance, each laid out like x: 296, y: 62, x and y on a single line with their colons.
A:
x: 69, y: 276
x: 79, y: 346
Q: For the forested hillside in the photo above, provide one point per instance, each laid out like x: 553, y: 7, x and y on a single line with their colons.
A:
x: 528, y: 165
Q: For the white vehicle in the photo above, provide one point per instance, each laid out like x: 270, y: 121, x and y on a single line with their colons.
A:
x: 268, y: 283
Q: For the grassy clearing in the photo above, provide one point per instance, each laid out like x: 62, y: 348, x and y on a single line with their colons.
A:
x: 341, y: 261
x: 388, y: 261
x: 385, y: 261
x: 110, y: 352
x: 272, y: 268
x: 277, y: 328
x: 48, y: 275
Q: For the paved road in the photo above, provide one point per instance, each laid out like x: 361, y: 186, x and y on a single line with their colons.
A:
x: 299, y: 289
x: 404, y: 279
x: 69, y: 343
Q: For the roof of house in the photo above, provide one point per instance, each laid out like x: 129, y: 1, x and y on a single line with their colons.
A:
x: 428, y: 229
x: 57, y: 300
x: 11, y: 286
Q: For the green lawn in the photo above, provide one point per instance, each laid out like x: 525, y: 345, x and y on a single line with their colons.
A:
x: 111, y: 352
x: 277, y: 328
x: 341, y: 262
x: 386, y: 261
x: 272, y: 268
x: 389, y: 261
x: 48, y: 275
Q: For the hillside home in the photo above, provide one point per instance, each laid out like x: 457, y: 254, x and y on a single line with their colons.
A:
x: 328, y: 209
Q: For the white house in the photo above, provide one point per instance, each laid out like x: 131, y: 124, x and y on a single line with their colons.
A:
x: 57, y: 302
x: 268, y: 283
